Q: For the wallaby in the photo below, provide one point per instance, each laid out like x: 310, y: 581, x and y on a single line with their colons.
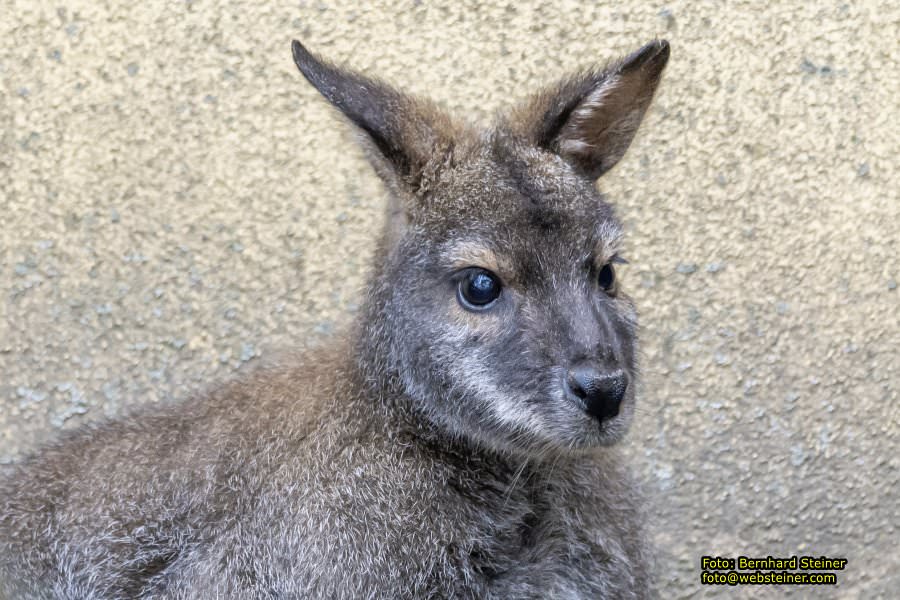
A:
x: 455, y: 444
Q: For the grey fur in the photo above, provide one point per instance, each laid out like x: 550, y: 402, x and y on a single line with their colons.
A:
x: 432, y: 452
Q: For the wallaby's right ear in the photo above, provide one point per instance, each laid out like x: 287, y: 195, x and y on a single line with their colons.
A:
x: 591, y: 119
x: 404, y: 135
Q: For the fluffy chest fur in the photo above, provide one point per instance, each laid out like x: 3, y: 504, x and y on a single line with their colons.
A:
x: 273, y: 509
x: 434, y: 523
x: 431, y: 529
x: 451, y: 526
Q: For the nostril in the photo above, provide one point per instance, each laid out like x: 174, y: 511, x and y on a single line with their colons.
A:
x: 579, y: 384
x: 585, y: 378
x: 601, y: 392
x: 615, y: 388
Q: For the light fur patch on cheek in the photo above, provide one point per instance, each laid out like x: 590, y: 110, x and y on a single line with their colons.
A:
x: 481, y: 382
x: 474, y: 374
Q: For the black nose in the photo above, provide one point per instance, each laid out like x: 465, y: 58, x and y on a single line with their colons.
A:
x: 600, y: 391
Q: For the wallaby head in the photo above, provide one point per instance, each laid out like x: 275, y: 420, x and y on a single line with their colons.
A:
x: 495, y: 307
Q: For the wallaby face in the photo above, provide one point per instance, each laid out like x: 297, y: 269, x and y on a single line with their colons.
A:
x: 500, y: 309
x: 508, y: 305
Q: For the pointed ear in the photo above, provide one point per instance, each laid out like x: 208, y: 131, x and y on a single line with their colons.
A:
x: 403, y: 135
x: 591, y: 119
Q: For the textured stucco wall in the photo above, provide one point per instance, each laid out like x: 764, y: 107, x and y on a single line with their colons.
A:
x: 176, y: 202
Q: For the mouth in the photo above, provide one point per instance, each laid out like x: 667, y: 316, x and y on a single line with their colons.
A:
x: 611, y: 427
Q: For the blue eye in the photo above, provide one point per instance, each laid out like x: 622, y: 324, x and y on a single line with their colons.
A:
x: 478, y: 289
x: 607, y: 277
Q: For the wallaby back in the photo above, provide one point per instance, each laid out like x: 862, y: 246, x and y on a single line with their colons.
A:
x: 454, y: 444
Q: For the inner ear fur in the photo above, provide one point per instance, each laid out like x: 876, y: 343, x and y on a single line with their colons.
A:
x: 591, y: 118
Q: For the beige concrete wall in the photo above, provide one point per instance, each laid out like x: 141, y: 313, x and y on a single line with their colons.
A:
x: 176, y: 202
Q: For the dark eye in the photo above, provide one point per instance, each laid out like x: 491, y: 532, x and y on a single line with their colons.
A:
x: 607, y: 277
x: 478, y: 289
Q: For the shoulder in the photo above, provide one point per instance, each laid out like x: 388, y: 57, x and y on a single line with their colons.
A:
x: 359, y: 511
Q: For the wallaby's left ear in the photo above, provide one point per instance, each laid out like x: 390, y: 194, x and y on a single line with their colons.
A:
x: 590, y: 120
x: 404, y: 135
